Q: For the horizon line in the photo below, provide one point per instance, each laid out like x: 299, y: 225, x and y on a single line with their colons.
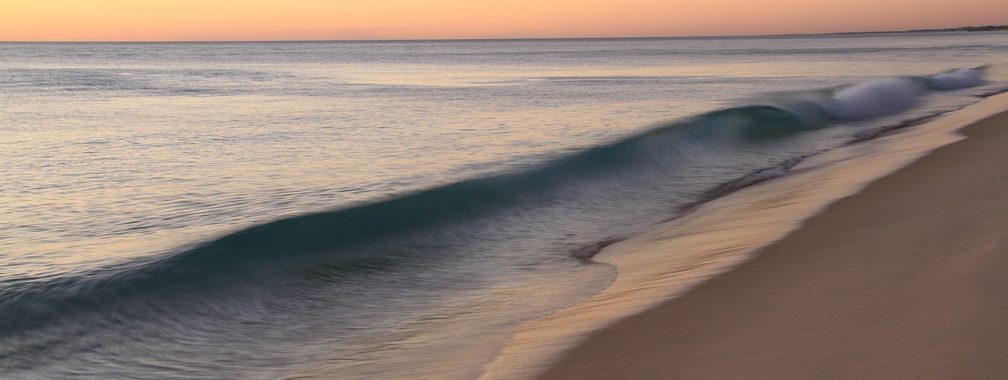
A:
x: 964, y: 29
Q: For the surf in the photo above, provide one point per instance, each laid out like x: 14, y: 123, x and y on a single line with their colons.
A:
x: 286, y: 259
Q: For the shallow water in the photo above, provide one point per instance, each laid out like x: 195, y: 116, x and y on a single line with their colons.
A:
x: 255, y: 209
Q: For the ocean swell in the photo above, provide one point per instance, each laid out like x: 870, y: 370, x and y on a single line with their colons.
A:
x: 279, y: 259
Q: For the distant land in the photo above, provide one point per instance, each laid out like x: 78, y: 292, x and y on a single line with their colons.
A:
x: 985, y: 28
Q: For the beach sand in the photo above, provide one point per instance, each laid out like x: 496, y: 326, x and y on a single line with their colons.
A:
x: 906, y: 279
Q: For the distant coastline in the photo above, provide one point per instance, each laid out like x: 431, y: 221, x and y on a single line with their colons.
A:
x: 984, y: 28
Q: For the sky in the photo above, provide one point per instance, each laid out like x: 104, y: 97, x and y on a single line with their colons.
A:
x: 175, y: 20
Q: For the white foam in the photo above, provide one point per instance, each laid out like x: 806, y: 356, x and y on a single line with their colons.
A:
x: 874, y: 98
x: 956, y: 79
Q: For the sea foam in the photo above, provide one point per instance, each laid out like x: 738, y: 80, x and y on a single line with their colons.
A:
x: 874, y: 98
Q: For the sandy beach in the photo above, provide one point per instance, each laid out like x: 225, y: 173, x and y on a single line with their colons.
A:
x: 904, y: 279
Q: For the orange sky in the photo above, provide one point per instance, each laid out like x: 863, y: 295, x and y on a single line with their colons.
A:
x: 158, y: 20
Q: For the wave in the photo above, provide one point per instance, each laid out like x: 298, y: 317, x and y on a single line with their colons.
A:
x: 341, y: 243
x: 879, y: 97
x: 956, y: 79
x: 874, y: 98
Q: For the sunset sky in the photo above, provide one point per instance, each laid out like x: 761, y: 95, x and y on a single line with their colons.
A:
x: 159, y: 20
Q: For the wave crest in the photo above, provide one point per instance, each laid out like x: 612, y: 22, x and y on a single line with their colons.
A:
x: 957, y: 79
x: 874, y: 98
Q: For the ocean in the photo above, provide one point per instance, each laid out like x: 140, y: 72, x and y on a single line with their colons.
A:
x: 392, y: 209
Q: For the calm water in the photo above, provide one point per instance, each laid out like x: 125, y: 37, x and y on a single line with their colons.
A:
x: 387, y: 209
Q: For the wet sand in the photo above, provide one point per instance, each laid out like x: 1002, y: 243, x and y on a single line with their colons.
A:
x: 905, y: 279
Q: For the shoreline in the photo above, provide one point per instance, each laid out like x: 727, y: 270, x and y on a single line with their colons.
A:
x: 902, y: 280
x: 720, y: 237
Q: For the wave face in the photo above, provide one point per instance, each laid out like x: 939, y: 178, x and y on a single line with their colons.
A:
x: 322, y: 272
x: 340, y: 240
x: 335, y: 279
